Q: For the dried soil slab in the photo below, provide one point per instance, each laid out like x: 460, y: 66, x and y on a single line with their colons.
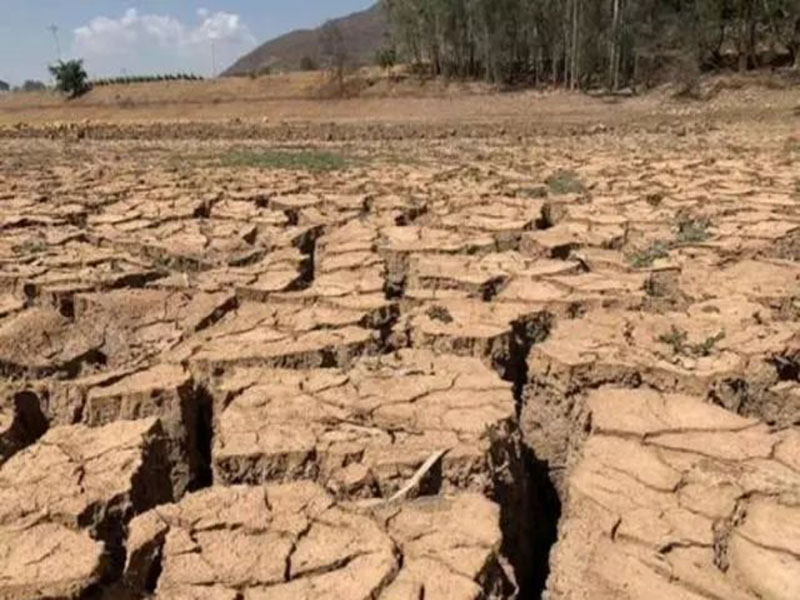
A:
x: 87, y: 478
x: 564, y: 288
x: 499, y: 333
x: 139, y: 324
x: 167, y: 392
x: 41, y: 342
x: 718, y: 349
x: 367, y: 281
x: 52, y: 278
x: 673, y: 498
x: 48, y: 560
x: 62, y: 402
x: 360, y: 433
x: 149, y: 202
x: 605, y: 288
x: 505, y: 219
x: 479, y: 277
x: 248, y: 209
x: 283, y: 269
x: 284, y: 335
x: 775, y: 284
x: 294, y: 542
x: 565, y: 238
x: 770, y: 235
x: 398, y: 244
x: 193, y: 245
x: 355, y: 237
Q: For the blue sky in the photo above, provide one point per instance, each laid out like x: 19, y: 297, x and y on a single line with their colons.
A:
x: 148, y: 36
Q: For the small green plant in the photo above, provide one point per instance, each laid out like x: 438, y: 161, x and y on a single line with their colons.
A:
x: 565, y: 182
x: 678, y: 340
x: 439, y: 313
x: 705, y: 347
x: 299, y: 160
x: 31, y: 247
x: 71, y: 77
x: 645, y: 258
x: 693, y: 231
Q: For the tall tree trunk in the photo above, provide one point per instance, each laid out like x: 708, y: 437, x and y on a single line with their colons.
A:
x: 573, y: 72
x: 615, y: 49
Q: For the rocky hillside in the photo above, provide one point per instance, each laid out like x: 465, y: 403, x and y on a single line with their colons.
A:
x: 363, y: 33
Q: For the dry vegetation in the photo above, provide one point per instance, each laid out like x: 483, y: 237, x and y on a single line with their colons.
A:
x: 453, y: 347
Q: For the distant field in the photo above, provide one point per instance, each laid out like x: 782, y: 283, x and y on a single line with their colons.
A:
x: 296, y: 97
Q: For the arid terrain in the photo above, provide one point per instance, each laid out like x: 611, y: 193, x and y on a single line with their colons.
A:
x: 440, y: 348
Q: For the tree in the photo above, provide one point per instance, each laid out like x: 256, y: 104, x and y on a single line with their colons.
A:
x: 33, y: 85
x: 334, y: 51
x: 308, y: 64
x: 71, y: 77
x: 4, y: 87
x: 386, y: 58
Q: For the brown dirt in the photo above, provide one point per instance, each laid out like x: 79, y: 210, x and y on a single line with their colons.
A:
x: 477, y: 336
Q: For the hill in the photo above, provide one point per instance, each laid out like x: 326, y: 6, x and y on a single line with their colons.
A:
x: 363, y: 33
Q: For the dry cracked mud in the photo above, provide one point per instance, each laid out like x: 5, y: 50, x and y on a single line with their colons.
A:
x: 474, y: 367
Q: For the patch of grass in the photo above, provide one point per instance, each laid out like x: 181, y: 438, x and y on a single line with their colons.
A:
x: 291, y: 160
x: 693, y: 231
x: 31, y: 247
x: 645, y: 258
x: 677, y: 339
x: 565, y: 182
x: 532, y: 192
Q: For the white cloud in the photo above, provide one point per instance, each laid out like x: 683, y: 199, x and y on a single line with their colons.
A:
x: 143, y: 39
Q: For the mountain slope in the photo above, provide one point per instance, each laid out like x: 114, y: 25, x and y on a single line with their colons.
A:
x: 363, y: 33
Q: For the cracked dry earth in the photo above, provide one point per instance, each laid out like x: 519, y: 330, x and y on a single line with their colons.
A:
x: 565, y: 367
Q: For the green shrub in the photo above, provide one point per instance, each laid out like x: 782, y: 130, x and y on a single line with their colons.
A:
x: 71, y: 77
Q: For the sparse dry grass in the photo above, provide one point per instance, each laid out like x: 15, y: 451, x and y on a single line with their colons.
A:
x: 291, y: 160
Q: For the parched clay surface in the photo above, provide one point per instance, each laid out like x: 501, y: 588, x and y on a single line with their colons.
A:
x: 670, y: 497
x: 294, y: 541
x: 482, y: 364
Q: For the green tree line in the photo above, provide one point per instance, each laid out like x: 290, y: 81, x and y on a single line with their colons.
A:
x: 589, y: 43
x: 131, y: 79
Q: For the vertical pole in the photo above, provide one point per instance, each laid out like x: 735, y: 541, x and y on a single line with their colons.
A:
x: 615, y: 49
x: 54, y: 30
